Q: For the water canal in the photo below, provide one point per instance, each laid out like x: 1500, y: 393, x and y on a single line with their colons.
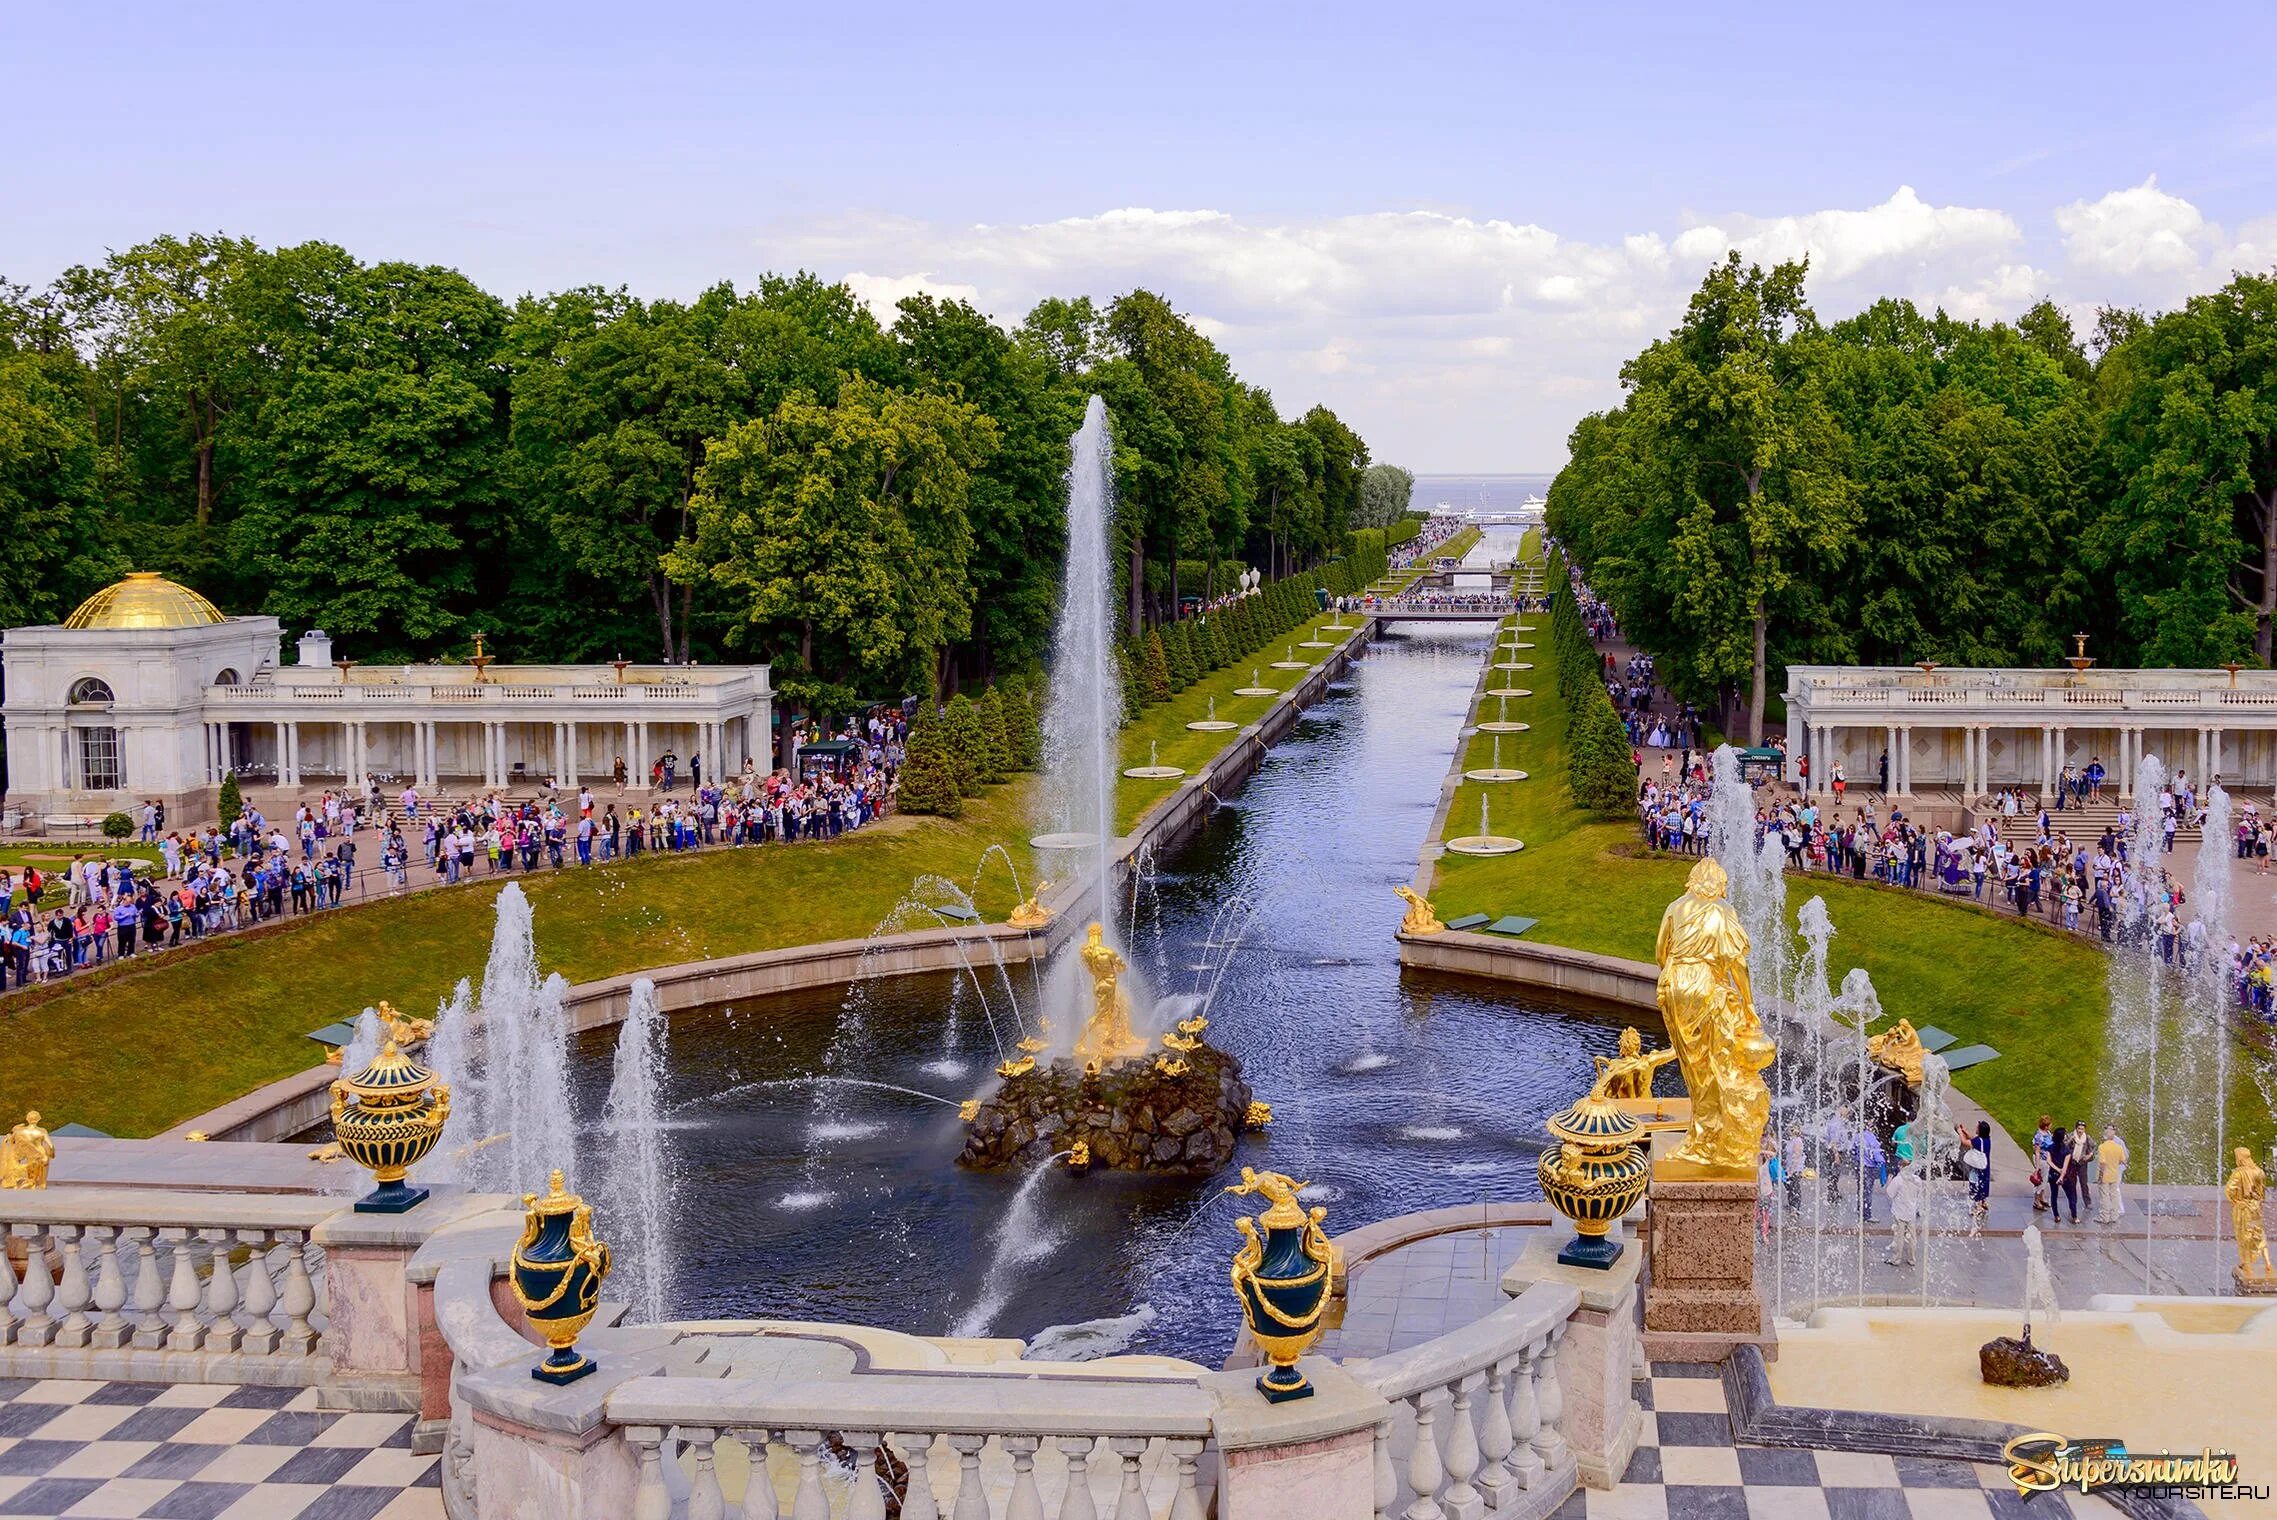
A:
x: 1391, y: 1092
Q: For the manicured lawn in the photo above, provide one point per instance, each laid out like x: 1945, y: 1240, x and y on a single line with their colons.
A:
x: 138, y: 1049
x: 2036, y: 996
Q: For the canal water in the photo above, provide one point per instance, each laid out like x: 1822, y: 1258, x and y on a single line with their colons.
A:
x: 1391, y: 1091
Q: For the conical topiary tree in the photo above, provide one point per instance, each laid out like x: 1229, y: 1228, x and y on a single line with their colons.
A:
x: 1023, y: 734
x: 928, y: 774
x: 1127, y: 669
x: 232, y: 801
x: 1178, y: 657
x: 967, y: 744
x: 996, y: 746
x: 1213, y: 635
x: 1154, y: 671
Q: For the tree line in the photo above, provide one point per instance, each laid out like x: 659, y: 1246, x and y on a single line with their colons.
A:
x: 1900, y: 486
x: 395, y: 455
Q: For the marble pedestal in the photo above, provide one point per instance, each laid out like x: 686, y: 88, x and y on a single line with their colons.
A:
x: 1702, y: 1300
x: 1597, y: 1360
x: 1314, y: 1457
x: 2252, y: 1285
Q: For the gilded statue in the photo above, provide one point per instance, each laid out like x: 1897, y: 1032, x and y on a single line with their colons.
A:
x: 1030, y: 912
x: 2246, y: 1190
x: 1899, y: 1049
x: 1629, y: 1074
x: 406, y: 1032
x: 1708, y: 1004
x: 1420, y: 919
x: 25, y: 1152
x: 1107, y: 1036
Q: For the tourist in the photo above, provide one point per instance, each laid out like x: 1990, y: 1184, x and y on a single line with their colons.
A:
x: 2043, y: 1168
x: 1977, y: 1158
x: 2110, y: 1168
x: 1905, y: 1190
x: 2083, y: 1167
x: 2065, y: 1181
x: 1873, y: 1171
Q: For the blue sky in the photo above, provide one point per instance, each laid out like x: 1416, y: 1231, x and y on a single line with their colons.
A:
x: 1450, y: 223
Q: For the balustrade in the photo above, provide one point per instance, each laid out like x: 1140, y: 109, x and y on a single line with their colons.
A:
x: 135, y: 1270
x: 1481, y: 1410
x: 967, y: 1448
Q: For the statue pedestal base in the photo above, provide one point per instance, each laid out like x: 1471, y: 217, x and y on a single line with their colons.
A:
x: 2251, y: 1286
x: 1702, y: 1300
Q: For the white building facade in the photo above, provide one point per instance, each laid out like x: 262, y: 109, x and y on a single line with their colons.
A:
x: 148, y: 693
x: 1976, y: 731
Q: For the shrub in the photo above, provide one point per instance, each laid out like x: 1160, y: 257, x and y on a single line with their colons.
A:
x: 118, y: 826
x: 996, y: 745
x: 1597, y: 757
x: 1154, y: 670
x: 232, y: 803
x: 1127, y: 673
x: 1023, y: 733
x: 966, y: 743
x: 928, y: 775
x: 1178, y: 649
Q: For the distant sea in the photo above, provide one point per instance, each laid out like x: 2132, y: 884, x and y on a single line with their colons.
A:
x: 1496, y: 493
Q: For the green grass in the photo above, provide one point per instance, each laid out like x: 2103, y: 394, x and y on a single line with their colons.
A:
x: 134, y: 1049
x: 2033, y: 994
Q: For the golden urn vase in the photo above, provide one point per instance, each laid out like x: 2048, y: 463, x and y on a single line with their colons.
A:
x: 1282, y: 1279
x: 1594, y: 1174
x: 556, y: 1273
x: 387, y: 1117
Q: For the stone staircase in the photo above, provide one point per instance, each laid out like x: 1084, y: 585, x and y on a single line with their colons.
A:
x: 2085, y: 822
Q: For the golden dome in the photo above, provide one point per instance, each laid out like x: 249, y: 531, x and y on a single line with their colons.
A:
x: 145, y: 599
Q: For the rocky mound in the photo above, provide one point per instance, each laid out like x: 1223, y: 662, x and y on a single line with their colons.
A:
x: 1131, y: 1116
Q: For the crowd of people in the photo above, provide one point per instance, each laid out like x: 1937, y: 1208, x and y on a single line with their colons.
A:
x: 211, y: 880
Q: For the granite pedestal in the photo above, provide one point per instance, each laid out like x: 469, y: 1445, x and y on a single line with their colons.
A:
x: 1702, y: 1300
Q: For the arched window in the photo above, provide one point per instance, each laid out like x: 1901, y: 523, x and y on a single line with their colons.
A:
x: 89, y: 691
x: 227, y: 677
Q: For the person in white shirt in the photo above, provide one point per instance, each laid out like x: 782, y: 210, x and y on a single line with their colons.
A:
x: 1905, y: 1191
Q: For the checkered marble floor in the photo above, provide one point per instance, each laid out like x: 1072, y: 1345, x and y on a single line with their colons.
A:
x: 1688, y: 1468
x: 204, y: 1452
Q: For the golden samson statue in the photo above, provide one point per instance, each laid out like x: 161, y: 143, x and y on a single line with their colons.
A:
x: 2246, y: 1189
x: 1107, y: 1036
x: 1708, y: 1004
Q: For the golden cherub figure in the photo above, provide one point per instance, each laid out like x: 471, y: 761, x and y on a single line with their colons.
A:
x: 1900, y: 1049
x: 1420, y: 919
x: 405, y: 1032
x: 1629, y: 1074
x: 1707, y: 1002
x: 2247, y: 1188
x: 25, y: 1153
x: 1107, y: 1036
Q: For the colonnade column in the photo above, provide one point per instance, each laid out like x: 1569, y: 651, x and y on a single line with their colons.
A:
x: 2127, y: 737
x: 1890, y: 777
x: 1904, y: 760
x: 569, y: 747
x: 640, y: 757
x: 359, y: 757
x: 2062, y: 742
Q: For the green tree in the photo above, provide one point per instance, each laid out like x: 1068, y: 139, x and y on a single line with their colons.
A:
x: 1154, y: 670
x: 836, y: 536
x: 1385, y: 491
x: 55, y: 542
x: 928, y: 782
x: 964, y: 737
x: 996, y: 746
x: 231, y: 805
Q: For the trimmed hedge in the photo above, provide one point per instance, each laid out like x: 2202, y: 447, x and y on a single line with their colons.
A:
x: 1598, y: 772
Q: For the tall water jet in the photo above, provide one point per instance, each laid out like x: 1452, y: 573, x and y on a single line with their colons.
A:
x: 450, y: 1056
x: 2141, y: 985
x: 1755, y: 870
x: 637, y: 1190
x: 514, y: 1088
x: 1084, y: 714
x: 2208, y: 997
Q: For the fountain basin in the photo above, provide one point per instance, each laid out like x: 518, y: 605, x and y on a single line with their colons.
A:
x: 1066, y: 839
x: 1132, y: 1116
x: 1316, y: 643
x: 1152, y: 772
x: 1209, y: 726
x: 1512, y: 665
x: 1494, y: 773
x: 1485, y: 844
x: 1291, y: 665
x: 1509, y: 691
x: 1502, y: 726
x: 1256, y: 691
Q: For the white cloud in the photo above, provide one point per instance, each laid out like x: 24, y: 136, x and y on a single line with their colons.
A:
x: 1455, y: 342
x: 2134, y: 231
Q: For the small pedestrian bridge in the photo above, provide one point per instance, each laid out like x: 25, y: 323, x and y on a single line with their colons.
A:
x: 1482, y: 611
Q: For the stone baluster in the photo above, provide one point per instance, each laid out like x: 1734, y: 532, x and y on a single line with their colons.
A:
x: 183, y: 1329
x: 299, y: 1296
x: 1551, y: 1442
x: 1186, y: 1504
x: 1494, y: 1439
x: 705, y: 1500
x: 1526, y: 1463
x: 222, y: 1333
x: 865, y: 1499
x: 260, y: 1337
x: 36, y: 1328
x: 1424, y: 1470
x: 72, y: 1293
x: 1462, y: 1501
x: 1130, y: 1500
x: 972, y: 1502
x: 1025, y: 1503
x: 1076, y: 1503
x: 809, y: 1503
x: 759, y: 1488
x: 7, y: 1292
x: 111, y: 1330
x: 149, y: 1292
x: 651, y: 1499
x: 917, y: 1501
x: 1387, y: 1473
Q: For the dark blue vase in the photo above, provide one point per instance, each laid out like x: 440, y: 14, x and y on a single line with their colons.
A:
x: 556, y: 1274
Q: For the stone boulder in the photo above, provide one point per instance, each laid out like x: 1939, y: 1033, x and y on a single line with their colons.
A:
x: 1132, y: 1116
